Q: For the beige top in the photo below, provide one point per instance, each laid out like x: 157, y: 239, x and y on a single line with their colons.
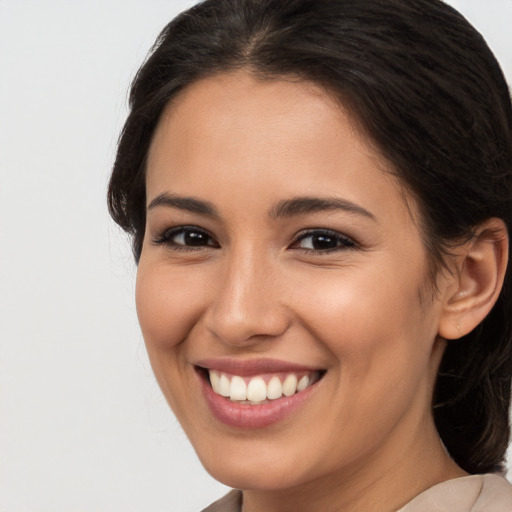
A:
x: 476, y: 493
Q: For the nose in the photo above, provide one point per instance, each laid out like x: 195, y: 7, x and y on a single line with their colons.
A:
x: 247, y: 305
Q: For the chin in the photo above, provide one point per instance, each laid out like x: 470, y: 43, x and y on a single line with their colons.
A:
x: 261, y: 461
x: 256, y: 474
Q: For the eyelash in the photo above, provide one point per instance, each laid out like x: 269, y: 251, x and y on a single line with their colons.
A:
x: 166, y: 238
x: 342, y: 242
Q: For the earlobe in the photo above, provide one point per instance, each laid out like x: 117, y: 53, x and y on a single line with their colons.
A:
x: 477, y: 280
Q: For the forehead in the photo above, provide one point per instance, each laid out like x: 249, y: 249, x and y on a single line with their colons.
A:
x: 275, y: 112
x: 267, y: 137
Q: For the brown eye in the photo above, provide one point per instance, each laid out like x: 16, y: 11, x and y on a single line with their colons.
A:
x: 323, y: 241
x: 186, y: 237
x: 192, y: 238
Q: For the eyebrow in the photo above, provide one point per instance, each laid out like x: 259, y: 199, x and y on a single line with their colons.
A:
x: 189, y: 204
x: 285, y: 208
x: 302, y: 205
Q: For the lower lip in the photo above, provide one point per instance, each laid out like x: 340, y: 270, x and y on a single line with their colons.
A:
x: 246, y: 416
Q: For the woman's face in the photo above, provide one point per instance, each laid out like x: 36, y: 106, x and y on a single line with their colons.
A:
x: 279, y: 252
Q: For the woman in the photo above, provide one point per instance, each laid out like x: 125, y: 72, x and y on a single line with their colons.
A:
x: 320, y: 195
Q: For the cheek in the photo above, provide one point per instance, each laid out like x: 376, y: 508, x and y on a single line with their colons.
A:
x: 168, y: 304
x: 369, y: 320
x: 380, y: 348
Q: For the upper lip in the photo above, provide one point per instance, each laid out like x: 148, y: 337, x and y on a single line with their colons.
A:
x: 249, y: 367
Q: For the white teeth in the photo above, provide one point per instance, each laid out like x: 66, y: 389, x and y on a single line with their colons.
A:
x: 303, y: 383
x: 214, y: 381
x: 238, y: 389
x: 224, y: 386
x: 274, y: 388
x: 256, y: 390
x: 290, y: 385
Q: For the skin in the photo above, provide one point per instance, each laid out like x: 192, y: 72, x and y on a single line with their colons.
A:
x: 364, y: 312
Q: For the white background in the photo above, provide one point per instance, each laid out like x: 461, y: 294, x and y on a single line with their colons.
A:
x: 83, y: 426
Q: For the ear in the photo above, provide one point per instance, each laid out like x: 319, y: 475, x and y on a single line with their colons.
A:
x: 477, y: 279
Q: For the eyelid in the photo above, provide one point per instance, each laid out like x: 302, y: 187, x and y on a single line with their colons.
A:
x: 166, y: 235
x: 347, y: 242
x: 165, y: 238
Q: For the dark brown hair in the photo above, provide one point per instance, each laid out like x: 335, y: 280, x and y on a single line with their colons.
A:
x: 426, y: 89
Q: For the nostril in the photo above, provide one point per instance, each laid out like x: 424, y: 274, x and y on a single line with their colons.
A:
x: 253, y: 325
x: 246, y: 306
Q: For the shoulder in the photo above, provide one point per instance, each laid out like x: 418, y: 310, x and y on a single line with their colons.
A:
x: 496, y: 495
x: 476, y: 493
x: 232, y: 502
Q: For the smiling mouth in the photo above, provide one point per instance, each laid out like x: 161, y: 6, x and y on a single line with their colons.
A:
x: 259, y: 389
